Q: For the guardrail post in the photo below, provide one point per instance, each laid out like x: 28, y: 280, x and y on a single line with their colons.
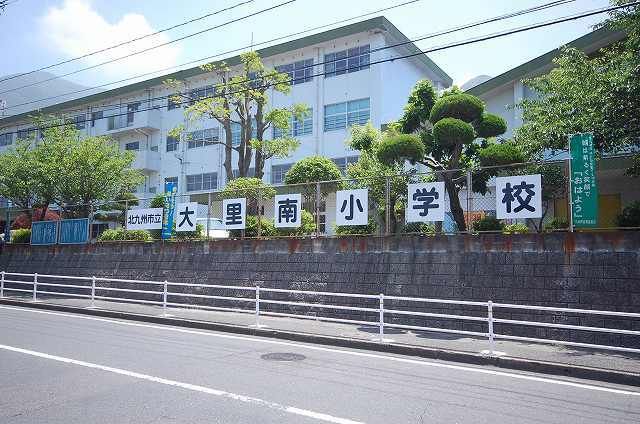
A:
x: 492, y: 349
x: 35, y: 286
x: 257, y: 306
x: 93, y: 291
x: 381, y: 318
x: 164, y: 299
x: 2, y: 285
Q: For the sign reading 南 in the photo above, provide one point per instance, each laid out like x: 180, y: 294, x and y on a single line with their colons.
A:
x: 584, y: 190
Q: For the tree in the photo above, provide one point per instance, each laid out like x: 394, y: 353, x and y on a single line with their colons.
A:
x: 448, y: 134
x: 243, y: 100
x: 598, y: 94
x: 315, y: 169
x: 249, y: 188
x: 369, y: 172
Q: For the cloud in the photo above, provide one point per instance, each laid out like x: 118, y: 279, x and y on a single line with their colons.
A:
x: 75, y: 28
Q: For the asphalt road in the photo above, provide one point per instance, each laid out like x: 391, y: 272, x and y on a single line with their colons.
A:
x: 64, y: 368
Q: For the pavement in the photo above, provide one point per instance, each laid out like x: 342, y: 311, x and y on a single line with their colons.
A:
x: 58, y: 367
x: 599, y: 364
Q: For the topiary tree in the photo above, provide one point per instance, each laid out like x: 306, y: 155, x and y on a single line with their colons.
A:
x: 315, y: 169
x: 448, y: 134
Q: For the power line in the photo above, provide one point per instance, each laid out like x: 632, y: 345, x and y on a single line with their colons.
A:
x: 422, y: 38
x: 393, y: 59
x: 152, y: 47
x: 190, y: 21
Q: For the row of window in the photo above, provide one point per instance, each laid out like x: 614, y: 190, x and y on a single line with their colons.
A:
x: 6, y: 139
x: 297, y: 127
x: 205, y: 181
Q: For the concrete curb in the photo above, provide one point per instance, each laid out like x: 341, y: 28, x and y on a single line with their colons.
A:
x: 551, y: 368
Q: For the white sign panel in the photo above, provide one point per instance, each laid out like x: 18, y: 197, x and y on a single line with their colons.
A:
x: 186, y: 216
x: 144, y: 219
x: 233, y: 213
x: 288, y: 209
x: 352, y: 207
x: 519, y: 196
x: 425, y: 202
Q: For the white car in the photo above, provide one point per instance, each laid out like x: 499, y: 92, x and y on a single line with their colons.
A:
x: 216, y: 227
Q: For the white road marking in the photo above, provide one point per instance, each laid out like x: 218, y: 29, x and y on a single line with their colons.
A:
x: 193, y: 387
x: 341, y: 351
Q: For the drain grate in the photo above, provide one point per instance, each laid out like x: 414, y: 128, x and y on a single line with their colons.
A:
x: 283, y: 356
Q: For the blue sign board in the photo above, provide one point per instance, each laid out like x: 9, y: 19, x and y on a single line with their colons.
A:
x: 44, y: 232
x: 170, y: 190
x: 74, y: 231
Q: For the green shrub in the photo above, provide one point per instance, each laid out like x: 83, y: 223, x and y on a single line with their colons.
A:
x: 122, y: 234
x: 556, y: 224
x: 465, y: 107
x: 488, y: 223
x: 397, y: 148
x: 419, y: 227
x: 630, y: 216
x: 450, y: 131
x: 198, y: 234
x: 307, y: 226
x: 491, y: 126
x: 370, y: 228
x: 517, y: 228
x: 313, y: 169
x: 157, y: 201
x: 267, y: 229
x: 22, y: 235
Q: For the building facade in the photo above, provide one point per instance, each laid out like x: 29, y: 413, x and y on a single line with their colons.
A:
x: 345, y: 86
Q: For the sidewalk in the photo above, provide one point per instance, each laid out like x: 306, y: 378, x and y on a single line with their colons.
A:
x: 596, y: 359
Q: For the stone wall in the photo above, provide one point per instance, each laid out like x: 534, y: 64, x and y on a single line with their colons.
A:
x: 580, y: 270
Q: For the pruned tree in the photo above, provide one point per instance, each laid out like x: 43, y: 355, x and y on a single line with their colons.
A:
x: 446, y: 133
x: 242, y: 99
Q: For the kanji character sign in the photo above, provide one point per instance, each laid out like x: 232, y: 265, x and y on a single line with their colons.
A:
x: 519, y: 196
x: 288, y: 210
x: 186, y: 216
x: 352, y: 207
x: 425, y: 202
x: 234, y: 213
x: 144, y: 219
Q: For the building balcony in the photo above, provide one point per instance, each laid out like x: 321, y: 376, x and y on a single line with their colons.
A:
x: 139, y: 122
x: 147, y: 161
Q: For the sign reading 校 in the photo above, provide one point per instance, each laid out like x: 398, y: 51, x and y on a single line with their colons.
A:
x: 170, y: 190
x: 584, y: 190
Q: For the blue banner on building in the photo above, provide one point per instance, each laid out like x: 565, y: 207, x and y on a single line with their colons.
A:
x: 44, y: 232
x: 170, y: 190
x: 74, y: 231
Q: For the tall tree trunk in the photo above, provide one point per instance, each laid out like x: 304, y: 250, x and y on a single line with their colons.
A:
x: 228, y: 151
x: 454, y: 203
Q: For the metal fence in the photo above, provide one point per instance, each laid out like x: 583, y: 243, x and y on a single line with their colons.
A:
x: 373, y: 310
x: 476, y: 206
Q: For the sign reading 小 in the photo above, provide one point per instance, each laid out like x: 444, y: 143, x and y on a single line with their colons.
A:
x: 584, y: 190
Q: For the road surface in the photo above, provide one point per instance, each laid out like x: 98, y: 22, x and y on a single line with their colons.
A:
x: 66, y: 368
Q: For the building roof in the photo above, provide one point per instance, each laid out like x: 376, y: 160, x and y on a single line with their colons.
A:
x: 379, y: 22
x: 588, y: 43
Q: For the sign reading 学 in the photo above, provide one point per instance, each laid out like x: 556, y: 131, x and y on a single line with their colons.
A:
x: 186, y: 216
x: 234, y: 213
x: 425, y: 202
x: 519, y: 196
x: 288, y: 210
x: 352, y: 207
x: 144, y: 219
x: 584, y: 190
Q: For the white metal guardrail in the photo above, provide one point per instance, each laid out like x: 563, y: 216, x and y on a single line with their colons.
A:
x: 40, y: 284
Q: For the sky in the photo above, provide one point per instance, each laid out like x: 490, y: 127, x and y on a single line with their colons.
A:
x: 36, y: 33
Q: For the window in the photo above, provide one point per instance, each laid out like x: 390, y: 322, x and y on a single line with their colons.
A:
x: 135, y: 145
x: 255, y: 80
x: 278, y: 172
x: 342, y: 163
x: 298, y: 72
x: 201, y: 93
x: 236, y: 132
x: 80, y: 121
x: 346, y: 61
x: 172, y: 144
x: 251, y: 173
x: 132, y: 108
x: 341, y: 115
x: 297, y: 127
x: 97, y: 229
x: 152, y: 190
x: 27, y: 134
x: 207, y: 181
x: 173, y: 180
x: 201, y: 138
x: 96, y: 116
x: 6, y: 139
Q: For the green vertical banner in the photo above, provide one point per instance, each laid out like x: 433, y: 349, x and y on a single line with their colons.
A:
x: 170, y: 190
x: 584, y: 187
